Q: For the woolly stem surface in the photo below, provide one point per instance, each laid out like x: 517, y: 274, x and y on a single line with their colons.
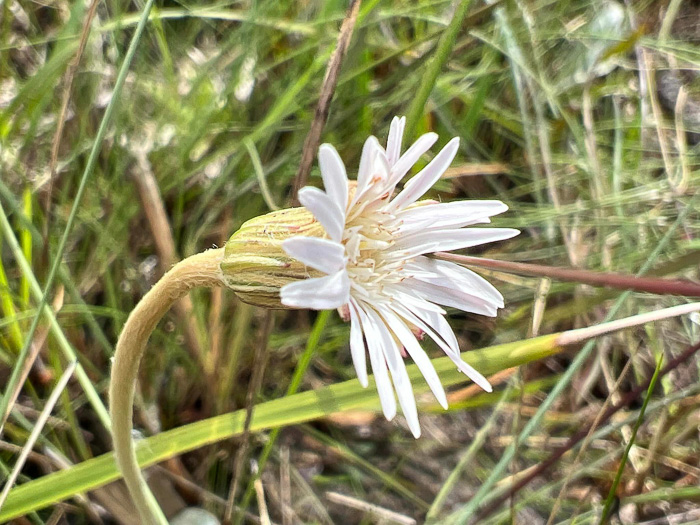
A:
x: 202, y: 269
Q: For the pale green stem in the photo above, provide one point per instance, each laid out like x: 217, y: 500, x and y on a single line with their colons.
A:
x: 199, y: 270
x: 583, y: 334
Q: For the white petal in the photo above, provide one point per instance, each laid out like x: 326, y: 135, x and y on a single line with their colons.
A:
x: 335, y: 180
x: 441, y: 273
x: 393, y: 143
x: 357, y: 345
x: 408, y: 159
x: 404, y: 295
x: 418, y: 355
x: 379, y: 367
x: 451, y: 297
x: 321, y: 293
x: 448, y: 240
x: 424, y: 321
x: 321, y: 254
x: 399, y: 375
x: 372, y: 177
x: 427, y: 177
x: 325, y: 210
x: 472, y: 373
x: 416, y: 313
x: 455, y: 214
x: 364, y: 174
x: 438, y: 323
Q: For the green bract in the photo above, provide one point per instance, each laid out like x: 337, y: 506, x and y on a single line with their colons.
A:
x: 255, y: 266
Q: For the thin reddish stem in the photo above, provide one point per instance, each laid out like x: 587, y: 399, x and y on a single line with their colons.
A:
x: 610, y: 280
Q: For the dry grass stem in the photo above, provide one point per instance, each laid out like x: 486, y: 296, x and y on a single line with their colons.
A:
x: 65, y: 100
x: 610, y: 280
x: 36, y: 431
x: 158, y: 222
x: 384, y: 515
x: 261, y: 358
x: 330, y: 81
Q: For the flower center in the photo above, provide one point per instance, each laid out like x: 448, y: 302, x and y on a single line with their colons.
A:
x: 372, y: 264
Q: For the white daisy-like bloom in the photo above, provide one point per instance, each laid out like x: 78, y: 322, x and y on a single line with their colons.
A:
x: 378, y: 272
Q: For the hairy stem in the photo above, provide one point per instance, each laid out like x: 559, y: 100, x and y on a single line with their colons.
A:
x: 199, y: 270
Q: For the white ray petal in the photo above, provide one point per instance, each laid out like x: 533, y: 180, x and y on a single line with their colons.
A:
x: 320, y: 254
x: 448, y: 240
x: 325, y: 210
x: 426, y: 321
x: 379, y: 367
x: 454, y: 298
x: 430, y: 313
x: 418, y: 355
x: 446, y: 215
x: 357, y: 345
x: 399, y: 375
x: 364, y: 174
x: 438, y: 323
x: 439, y: 272
x: 408, y: 159
x: 418, y: 318
x: 399, y: 292
x: 335, y: 180
x: 321, y: 293
x: 427, y: 177
x: 393, y: 143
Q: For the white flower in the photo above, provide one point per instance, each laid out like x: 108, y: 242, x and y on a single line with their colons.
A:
x: 376, y: 265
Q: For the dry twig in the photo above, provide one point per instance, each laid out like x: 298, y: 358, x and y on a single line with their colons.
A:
x: 65, y: 99
x: 324, y: 101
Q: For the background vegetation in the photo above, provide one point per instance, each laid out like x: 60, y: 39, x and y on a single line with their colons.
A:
x: 581, y: 115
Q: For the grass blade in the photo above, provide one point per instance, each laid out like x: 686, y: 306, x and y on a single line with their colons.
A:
x: 623, y: 461
x: 484, y: 493
x: 92, y: 159
x: 288, y: 410
x: 435, y: 65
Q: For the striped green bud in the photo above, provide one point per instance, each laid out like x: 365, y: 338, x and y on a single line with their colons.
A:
x: 255, y: 266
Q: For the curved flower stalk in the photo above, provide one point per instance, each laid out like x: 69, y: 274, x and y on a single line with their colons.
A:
x: 377, y: 271
x: 202, y: 269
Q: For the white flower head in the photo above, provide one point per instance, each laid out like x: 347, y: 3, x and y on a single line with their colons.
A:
x: 376, y: 267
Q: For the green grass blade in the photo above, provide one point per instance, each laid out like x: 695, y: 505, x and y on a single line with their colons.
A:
x: 485, y: 492
x: 63, y: 342
x: 26, y: 225
x: 26, y: 239
x: 435, y: 65
x: 8, y: 308
x: 623, y: 461
x: 92, y: 159
x: 291, y: 410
